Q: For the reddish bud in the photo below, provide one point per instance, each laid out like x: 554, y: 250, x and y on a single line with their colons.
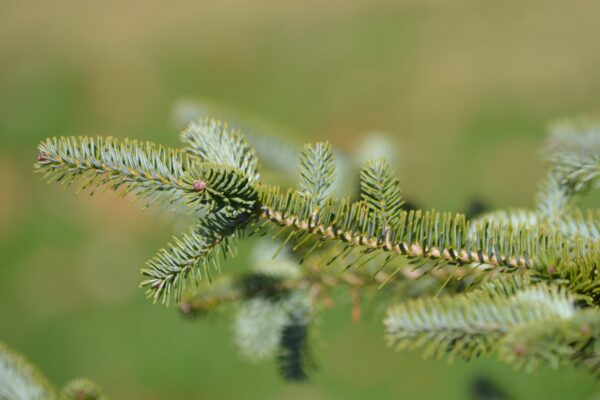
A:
x: 585, y: 330
x: 519, y: 349
x: 186, y: 308
x: 552, y: 269
x: 42, y: 156
x: 199, y: 186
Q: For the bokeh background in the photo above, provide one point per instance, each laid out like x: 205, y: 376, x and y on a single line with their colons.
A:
x: 467, y: 89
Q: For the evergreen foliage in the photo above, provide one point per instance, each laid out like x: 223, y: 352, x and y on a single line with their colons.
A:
x: 317, y: 170
x: 187, y: 258
x: 472, y: 324
x: 381, y: 190
x: 20, y: 380
x: 521, y: 284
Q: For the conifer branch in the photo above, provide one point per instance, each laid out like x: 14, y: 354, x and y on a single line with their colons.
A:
x: 265, y: 139
x: 136, y: 166
x: 555, y: 343
x: 185, y: 260
x: 554, y: 199
x: 574, y: 154
x: 317, y: 170
x: 442, y: 237
x: 381, y: 190
x: 154, y: 173
x: 578, y: 271
x: 532, y: 315
x: 213, y: 142
x: 472, y: 324
x: 21, y: 380
x: 573, y: 136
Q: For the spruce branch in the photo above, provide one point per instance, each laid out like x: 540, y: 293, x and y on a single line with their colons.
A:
x: 215, y: 187
x: 442, y: 237
x: 473, y: 323
x: 137, y: 166
x: 554, y: 198
x: 381, y: 190
x: 505, y: 285
x: 580, y: 172
x: 527, y: 272
x: 213, y: 142
x: 554, y: 343
x: 19, y: 380
x: 278, y: 152
x: 146, y: 168
x: 265, y: 139
x: 185, y: 260
x: 154, y: 173
x: 579, y: 135
x: 578, y: 272
x: 317, y: 170
x: 573, y: 151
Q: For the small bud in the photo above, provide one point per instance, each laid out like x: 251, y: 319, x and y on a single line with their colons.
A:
x: 186, y: 308
x: 519, y: 349
x: 199, y: 186
x: 42, y: 156
x: 585, y: 330
x: 551, y: 269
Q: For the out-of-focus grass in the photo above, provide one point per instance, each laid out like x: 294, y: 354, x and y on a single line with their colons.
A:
x: 466, y: 87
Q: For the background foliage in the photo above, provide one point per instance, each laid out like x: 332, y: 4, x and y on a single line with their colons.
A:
x: 467, y: 90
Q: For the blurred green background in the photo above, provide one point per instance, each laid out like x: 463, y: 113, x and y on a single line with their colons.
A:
x: 466, y: 87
